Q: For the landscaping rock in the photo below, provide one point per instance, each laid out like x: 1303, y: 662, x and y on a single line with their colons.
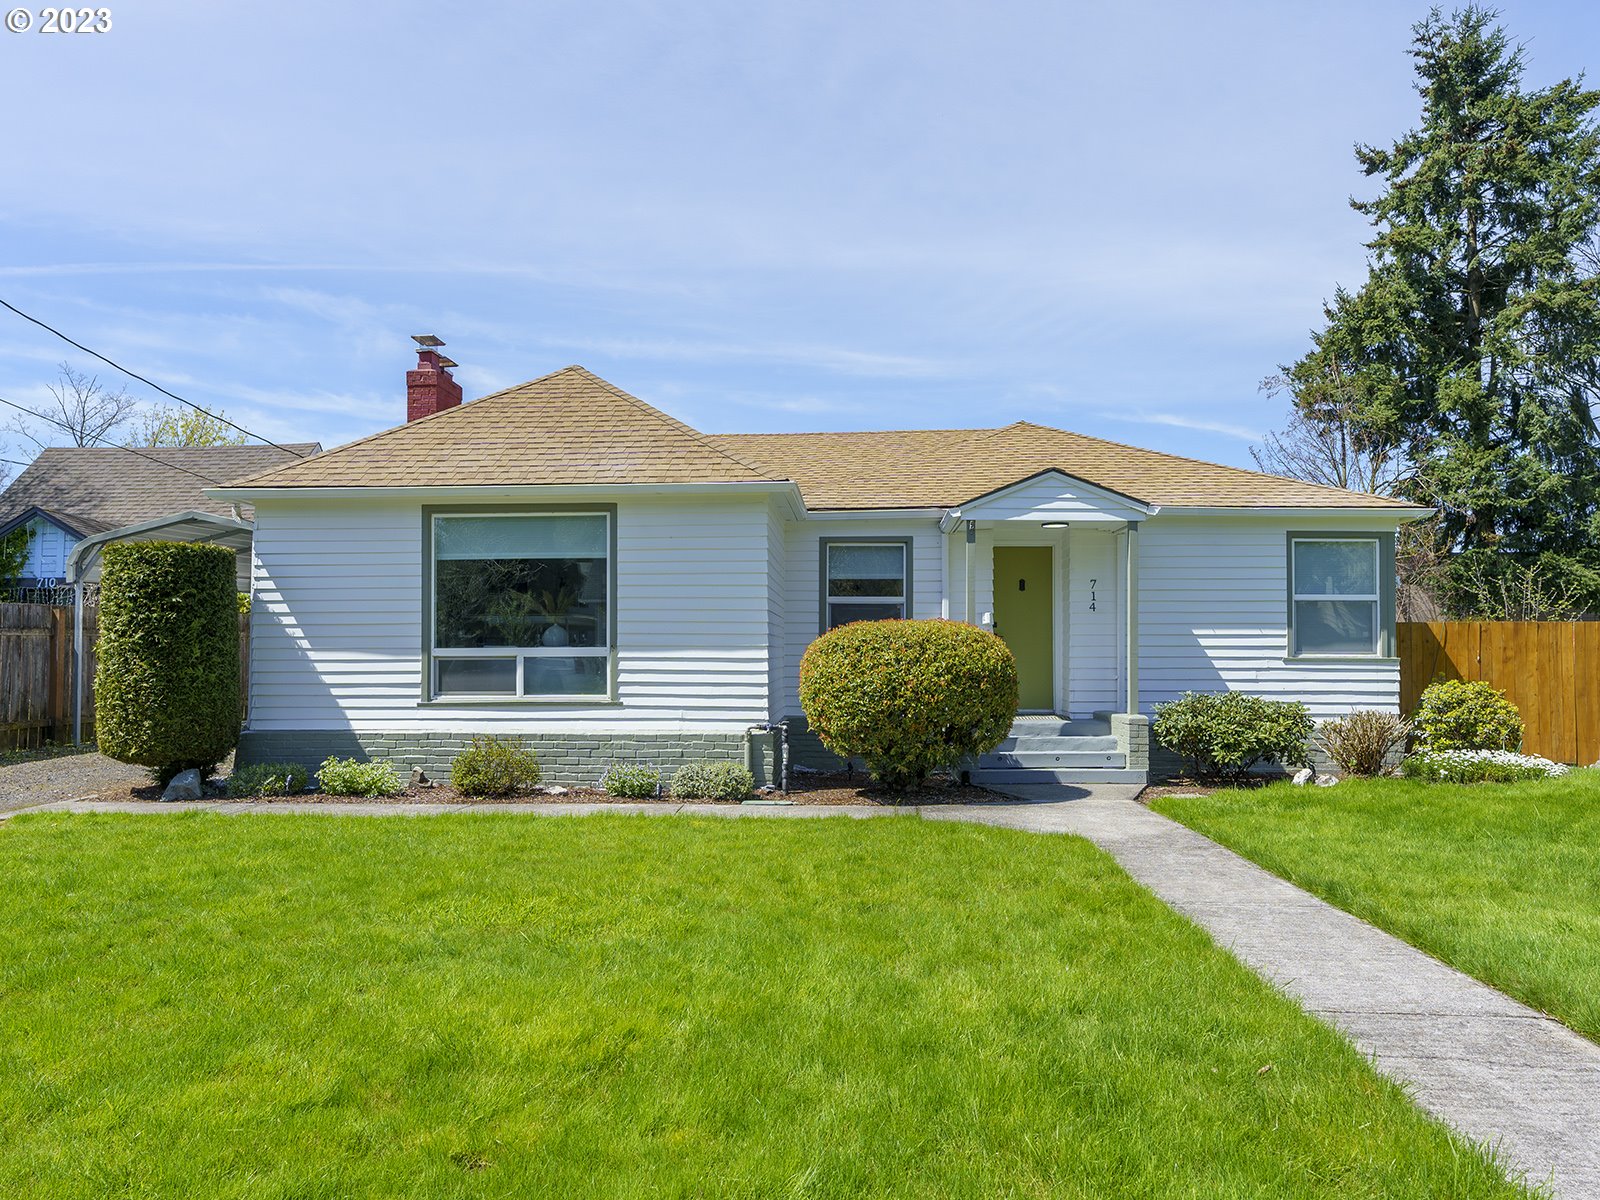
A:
x: 419, y: 778
x: 185, y: 785
x: 1326, y: 780
x: 553, y: 790
x: 1303, y: 776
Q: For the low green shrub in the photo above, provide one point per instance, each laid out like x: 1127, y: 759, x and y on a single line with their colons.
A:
x: 1460, y: 714
x: 1225, y: 734
x: 631, y: 782
x: 1362, y: 743
x: 712, y: 781
x: 352, y: 777
x: 1479, y: 766
x: 167, y: 678
x: 268, y: 779
x: 908, y: 697
x: 492, y: 766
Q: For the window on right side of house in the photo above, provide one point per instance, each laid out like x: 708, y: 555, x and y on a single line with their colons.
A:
x: 1335, y: 596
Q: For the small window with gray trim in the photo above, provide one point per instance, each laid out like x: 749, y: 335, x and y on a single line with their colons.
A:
x: 1336, y: 596
x: 864, y: 581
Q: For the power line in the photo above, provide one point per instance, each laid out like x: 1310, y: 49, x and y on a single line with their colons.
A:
x: 113, y: 445
x: 147, y: 382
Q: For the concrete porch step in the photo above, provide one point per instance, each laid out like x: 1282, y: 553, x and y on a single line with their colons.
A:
x: 1048, y: 726
x: 1054, y: 757
x: 1030, y: 742
x: 984, y: 777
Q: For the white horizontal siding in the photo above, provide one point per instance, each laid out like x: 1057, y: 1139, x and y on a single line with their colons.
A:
x: 337, y: 626
x: 802, y: 580
x: 1094, y: 651
x: 1213, y: 616
x: 1049, y: 498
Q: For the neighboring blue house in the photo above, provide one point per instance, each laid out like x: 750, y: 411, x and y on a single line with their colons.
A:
x: 70, y: 493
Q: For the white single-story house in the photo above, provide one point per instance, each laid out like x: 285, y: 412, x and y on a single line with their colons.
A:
x: 562, y: 562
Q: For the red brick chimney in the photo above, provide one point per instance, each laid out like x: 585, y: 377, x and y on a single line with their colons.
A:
x: 430, y: 388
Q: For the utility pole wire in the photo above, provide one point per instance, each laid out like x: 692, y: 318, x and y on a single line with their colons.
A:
x: 148, y: 383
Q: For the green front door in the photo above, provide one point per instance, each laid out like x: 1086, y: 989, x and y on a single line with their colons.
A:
x: 1024, y: 587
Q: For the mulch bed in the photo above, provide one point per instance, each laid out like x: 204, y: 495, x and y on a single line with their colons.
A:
x: 1184, y: 786
x: 803, y: 789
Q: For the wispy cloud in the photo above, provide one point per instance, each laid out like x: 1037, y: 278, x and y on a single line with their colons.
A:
x: 1201, y: 424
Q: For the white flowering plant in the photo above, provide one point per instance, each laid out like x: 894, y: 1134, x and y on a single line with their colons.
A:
x: 1480, y: 766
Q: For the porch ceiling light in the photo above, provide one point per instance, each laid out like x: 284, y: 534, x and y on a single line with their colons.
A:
x: 1055, y: 525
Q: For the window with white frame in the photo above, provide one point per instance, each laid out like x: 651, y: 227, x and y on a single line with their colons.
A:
x: 521, y: 605
x: 1336, y: 595
x: 864, y: 581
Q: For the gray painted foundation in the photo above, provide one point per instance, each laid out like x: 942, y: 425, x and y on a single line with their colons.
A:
x: 567, y: 759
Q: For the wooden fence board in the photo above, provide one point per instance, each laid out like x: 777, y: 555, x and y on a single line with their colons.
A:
x: 36, y: 676
x: 1549, y: 669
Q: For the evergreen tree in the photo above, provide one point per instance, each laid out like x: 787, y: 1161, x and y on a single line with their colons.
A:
x: 1474, y: 344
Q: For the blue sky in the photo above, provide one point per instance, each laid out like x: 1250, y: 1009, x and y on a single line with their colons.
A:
x: 1110, y: 218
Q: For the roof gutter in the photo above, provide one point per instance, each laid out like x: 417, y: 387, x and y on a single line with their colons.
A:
x: 256, y: 495
x: 1394, y: 511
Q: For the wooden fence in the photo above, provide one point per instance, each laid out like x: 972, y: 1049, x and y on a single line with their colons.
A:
x: 36, y: 674
x: 1549, y: 669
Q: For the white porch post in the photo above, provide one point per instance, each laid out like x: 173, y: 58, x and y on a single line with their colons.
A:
x: 972, y: 538
x: 1130, y: 593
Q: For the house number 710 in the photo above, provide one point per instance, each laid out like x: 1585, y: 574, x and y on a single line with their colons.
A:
x: 1093, y: 583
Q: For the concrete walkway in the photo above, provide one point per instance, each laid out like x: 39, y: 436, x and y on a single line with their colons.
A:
x: 1498, y: 1071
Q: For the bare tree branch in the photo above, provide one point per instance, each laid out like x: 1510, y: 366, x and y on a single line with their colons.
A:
x: 82, y: 408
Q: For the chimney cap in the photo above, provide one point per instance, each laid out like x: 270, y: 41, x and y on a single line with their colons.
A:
x: 426, y: 340
x: 447, y: 363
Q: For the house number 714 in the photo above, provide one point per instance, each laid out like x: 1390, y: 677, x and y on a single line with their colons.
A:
x: 1093, y: 583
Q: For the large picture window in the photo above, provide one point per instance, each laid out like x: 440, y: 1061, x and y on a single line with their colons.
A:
x: 1336, y: 596
x: 521, y: 605
x: 864, y: 581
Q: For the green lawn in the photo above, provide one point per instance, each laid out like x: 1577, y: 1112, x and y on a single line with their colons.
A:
x: 316, y: 1006
x: 1500, y: 880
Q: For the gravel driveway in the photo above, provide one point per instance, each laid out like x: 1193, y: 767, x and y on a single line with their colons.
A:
x: 26, y: 784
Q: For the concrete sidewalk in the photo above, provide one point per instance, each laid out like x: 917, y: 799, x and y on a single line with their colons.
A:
x: 1498, y: 1071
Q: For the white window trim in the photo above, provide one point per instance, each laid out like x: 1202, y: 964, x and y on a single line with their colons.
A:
x: 520, y: 654
x: 829, y: 599
x: 1375, y: 597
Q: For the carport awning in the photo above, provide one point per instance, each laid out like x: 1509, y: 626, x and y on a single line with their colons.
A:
x: 191, y: 526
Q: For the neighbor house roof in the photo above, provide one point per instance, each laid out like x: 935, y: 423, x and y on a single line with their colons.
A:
x: 944, y: 468
x: 571, y: 427
x: 568, y: 427
x: 90, y: 489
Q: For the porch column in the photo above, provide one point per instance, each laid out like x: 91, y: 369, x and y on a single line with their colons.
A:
x: 1130, y: 592
x: 972, y: 540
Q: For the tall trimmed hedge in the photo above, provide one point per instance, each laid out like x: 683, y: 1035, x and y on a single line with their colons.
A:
x: 167, y: 683
x: 908, y: 697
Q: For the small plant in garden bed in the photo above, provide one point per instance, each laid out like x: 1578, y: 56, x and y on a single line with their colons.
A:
x: 352, y: 777
x: 631, y: 782
x: 712, y: 781
x: 1480, y: 766
x: 1460, y: 714
x: 492, y: 766
x: 1362, y: 743
x: 1225, y: 734
x: 268, y: 779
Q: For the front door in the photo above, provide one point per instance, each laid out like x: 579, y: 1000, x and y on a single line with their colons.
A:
x: 1024, y: 614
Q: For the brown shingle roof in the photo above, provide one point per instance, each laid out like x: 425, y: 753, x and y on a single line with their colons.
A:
x: 571, y: 427
x: 942, y: 468
x: 94, y: 488
x: 568, y: 427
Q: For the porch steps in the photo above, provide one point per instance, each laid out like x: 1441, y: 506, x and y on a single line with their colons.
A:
x: 1056, y: 750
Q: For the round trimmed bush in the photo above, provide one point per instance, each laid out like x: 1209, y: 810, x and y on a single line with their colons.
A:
x: 1460, y: 714
x: 167, y: 682
x: 1225, y: 734
x: 492, y: 766
x: 908, y: 697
